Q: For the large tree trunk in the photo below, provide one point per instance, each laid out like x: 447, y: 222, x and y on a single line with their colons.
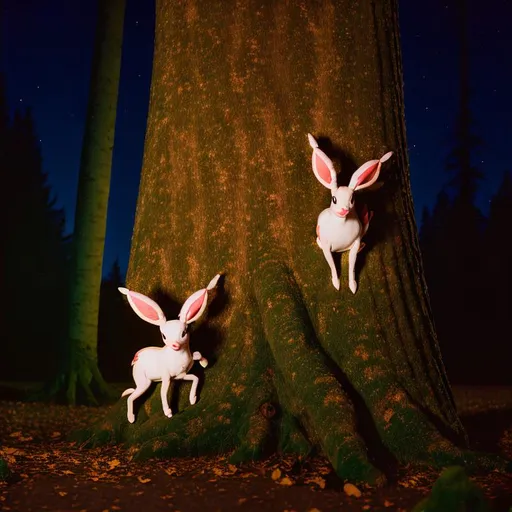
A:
x: 79, y: 378
x: 227, y: 186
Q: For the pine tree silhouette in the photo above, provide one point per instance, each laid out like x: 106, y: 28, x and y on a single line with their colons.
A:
x: 34, y: 250
x: 113, y: 353
x: 498, y: 258
x: 452, y: 237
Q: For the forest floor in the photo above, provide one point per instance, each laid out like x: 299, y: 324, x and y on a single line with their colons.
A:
x: 53, y: 474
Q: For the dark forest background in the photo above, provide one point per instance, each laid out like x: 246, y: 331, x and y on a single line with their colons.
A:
x: 466, y: 257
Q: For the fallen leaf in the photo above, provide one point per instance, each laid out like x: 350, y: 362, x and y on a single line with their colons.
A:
x: 286, y: 481
x: 63, y: 493
x: 276, y: 474
x: 388, y: 503
x: 352, y: 490
x: 318, y: 480
x: 143, y: 480
x: 8, y: 450
x: 113, y: 464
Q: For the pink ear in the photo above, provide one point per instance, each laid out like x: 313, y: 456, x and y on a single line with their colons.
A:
x: 146, y: 308
x: 195, y: 306
x: 323, y: 169
x: 368, y: 174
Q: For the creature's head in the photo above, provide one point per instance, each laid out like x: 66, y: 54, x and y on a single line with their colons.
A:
x: 174, y: 332
x: 343, y: 198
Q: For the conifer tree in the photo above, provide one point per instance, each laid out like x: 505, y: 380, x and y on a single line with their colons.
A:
x: 34, y: 256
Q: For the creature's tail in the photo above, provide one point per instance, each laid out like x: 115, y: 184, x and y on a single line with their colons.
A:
x: 128, y: 391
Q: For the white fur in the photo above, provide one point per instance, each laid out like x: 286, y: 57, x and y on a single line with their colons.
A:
x: 161, y: 364
x: 339, y: 228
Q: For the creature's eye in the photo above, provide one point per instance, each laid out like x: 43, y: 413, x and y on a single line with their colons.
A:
x: 163, y: 336
x: 334, y: 200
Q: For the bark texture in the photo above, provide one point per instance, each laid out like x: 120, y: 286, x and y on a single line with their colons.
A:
x: 227, y: 186
x: 79, y: 378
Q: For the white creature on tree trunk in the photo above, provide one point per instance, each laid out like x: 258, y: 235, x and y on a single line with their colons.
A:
x: 155, y: 364
x: 340, y: 227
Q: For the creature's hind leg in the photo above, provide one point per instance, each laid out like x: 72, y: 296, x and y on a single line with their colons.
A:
x: 166, y: 380
x: 142, y: 383
x: 366, y: 225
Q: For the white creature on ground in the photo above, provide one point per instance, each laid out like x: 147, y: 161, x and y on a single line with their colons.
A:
x: 339, y: 227
x: 155, y: 364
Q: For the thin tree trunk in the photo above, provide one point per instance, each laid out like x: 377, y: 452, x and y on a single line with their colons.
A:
x: 79, y: 378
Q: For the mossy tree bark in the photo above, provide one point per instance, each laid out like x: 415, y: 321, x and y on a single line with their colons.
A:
x: 79, y: 378
x: 227, y: 186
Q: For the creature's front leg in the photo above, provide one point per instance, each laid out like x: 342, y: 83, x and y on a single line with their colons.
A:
x: 352, y: 256
x: 166, y: 380
x: 193, y: 389
x: 326, y: 248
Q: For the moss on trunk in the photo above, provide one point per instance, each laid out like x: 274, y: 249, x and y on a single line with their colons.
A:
x: 227, y: 186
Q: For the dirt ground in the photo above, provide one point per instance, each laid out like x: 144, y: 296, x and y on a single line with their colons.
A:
x: 52, y: 474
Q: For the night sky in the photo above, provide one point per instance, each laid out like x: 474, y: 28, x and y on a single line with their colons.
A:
x: 46, y: 51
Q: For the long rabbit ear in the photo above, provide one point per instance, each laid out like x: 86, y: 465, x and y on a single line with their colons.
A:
x: 145, y: 307
x: 195, y: 305
x: 368, y: 173
x: 322, y: 166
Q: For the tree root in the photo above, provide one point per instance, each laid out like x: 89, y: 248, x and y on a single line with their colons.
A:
x: 281, y: 392
x: 82, y: 385
x: 256, y: 442
x: 330, y: 415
